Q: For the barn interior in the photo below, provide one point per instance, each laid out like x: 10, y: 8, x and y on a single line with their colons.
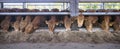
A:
x: 59, y: 21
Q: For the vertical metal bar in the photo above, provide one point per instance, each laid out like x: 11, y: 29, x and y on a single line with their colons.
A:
x: 2, y: 5
x: 102, y: 5
x: 91, y: 5
x: 63, y: 7
x: 74, y: 7
x: 24, y: 5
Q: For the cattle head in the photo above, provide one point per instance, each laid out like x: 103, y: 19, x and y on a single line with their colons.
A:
x: 88, y: 24
x: 29, y: 28
x: 90, y: 20
x: 116, y: 23
x: 16, y: 24
x: 37, y: 21
x: 52, y: 23
x: 24, y: 23
x: 80, y: 19
x: 5, y: 24
x: 105, y: 23
x: 67, y: 23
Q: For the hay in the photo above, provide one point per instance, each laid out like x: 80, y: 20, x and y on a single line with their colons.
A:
x: 67, y: 36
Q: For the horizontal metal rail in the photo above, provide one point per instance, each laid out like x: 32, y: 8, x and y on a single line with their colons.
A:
x: 34, y: 13
x: 58, y: 13
x: 20, y: 1
x: 101, y: 13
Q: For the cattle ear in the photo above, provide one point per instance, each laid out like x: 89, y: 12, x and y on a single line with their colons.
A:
x: 46, y: 22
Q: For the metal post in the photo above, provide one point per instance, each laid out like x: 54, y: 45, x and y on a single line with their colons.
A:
x: 74, y: 11
x: 24, y: 5
x: 63, y: 6
x: 74, y: 7
x: 103, y: 5
x: 2, y: 5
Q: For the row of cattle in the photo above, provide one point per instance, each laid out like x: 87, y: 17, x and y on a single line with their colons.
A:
x: 30, y: 23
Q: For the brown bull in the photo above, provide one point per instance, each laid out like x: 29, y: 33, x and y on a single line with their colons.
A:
x: 80, y: 19
x: 16, y: 24
x: 90, y: 20
x: 105, y: 20
x: 24, y: 23
x: 35, y: 24
x: 105, y: 23
x: 67, y: 23
x: 5, y: 24
x: 52, y: 23
x: 116, y: 22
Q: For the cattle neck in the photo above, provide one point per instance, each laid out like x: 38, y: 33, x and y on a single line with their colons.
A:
x: 18, y: 18
x: 28, y: 18
x: 8, y: 17
x: 53, y: 17
x: 117, y: 18
x: 66, y: 17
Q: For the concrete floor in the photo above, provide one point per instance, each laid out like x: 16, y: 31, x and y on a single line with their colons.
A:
x: 59, y: 46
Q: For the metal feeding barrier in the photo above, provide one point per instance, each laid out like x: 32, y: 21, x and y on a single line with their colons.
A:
x: 58, y: 13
